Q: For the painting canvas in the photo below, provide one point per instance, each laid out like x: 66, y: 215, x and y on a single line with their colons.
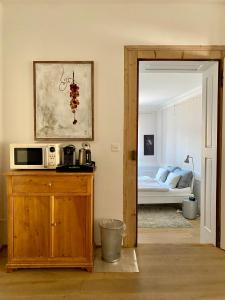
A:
x: 149, y: 144
x: 63, y: 100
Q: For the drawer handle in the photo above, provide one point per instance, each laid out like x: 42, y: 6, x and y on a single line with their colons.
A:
x: 53, y: 224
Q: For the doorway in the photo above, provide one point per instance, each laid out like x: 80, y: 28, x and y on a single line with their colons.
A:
x: 177, y: 115
x: 132, y: 55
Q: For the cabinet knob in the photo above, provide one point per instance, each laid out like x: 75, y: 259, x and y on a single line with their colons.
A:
x: 53, y: 224
x: 50, y: 184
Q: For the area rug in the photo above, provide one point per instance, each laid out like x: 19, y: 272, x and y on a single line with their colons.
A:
x: 161, y: 216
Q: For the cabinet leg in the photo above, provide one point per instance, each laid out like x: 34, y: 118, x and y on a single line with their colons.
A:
x: 9, y: 270
x: 90, y: 269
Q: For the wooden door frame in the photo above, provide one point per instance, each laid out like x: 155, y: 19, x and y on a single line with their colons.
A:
x: 132, y: 54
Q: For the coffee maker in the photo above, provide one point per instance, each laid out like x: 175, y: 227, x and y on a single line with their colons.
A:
x: 69, y: 155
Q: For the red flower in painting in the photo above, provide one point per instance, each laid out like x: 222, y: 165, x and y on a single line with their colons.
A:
x: 74, y: 93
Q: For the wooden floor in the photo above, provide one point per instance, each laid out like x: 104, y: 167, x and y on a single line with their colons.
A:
x: 167, y: 271
x: 170, y: 235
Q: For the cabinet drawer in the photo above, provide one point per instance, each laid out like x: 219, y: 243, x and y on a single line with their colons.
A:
x: 31, y: 184
x: 71, y: 184
x: 51, y: 184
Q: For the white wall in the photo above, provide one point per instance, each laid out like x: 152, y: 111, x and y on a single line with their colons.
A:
x: 147, y: 124
x: 181, y: 133
x: 93, y: 30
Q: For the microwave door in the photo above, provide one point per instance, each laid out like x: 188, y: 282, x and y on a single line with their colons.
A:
x: 30, y: 158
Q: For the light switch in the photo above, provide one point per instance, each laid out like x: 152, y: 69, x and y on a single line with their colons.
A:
x: 115, y: 147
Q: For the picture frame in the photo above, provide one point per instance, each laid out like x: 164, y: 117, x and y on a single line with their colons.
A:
x: 149, y: 144
x: 63, y: 100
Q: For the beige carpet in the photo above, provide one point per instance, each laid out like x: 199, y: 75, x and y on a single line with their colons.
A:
x: 161, y: 216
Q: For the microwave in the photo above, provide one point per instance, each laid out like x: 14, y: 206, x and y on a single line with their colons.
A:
x: 34, y: 156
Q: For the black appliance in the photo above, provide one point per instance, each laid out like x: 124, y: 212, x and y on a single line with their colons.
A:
x: 77, y: 168
x: 69, y: 155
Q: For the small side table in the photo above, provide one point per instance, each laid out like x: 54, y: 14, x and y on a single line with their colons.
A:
x: 190, y: 209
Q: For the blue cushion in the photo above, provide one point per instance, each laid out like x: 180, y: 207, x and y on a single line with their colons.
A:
x: 172, y: 168
x: 162, y: 174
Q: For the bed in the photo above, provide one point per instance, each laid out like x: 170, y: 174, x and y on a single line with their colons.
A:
x: 151, y: 191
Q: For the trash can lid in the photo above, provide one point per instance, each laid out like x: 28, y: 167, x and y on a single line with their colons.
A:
x: 111, y: 224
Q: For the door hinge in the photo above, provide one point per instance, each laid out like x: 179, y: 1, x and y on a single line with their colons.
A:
x: 133, y: 155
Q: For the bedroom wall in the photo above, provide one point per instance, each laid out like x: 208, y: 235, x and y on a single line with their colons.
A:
x: 93, y: 30
x: 181, y: 133
x: 148, y: 124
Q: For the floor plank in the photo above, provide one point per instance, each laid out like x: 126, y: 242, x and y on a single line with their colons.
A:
x: 167, y: 271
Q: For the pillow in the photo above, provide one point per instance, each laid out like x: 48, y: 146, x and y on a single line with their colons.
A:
x: 162, y: 174
x: 172, y: 180
x: 172, y: 169
x: 185, y: 179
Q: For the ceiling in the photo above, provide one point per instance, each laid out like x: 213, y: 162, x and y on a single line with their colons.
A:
x: 162, y: 81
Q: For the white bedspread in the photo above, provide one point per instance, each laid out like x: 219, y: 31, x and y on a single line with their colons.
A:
x: 150, y: 184
x: 151, y: 191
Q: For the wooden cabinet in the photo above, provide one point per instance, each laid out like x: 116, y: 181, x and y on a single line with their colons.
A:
x: 50, y: 219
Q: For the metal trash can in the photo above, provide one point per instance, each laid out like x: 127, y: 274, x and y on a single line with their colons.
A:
x: 190, y: 208
x: 111, y: 239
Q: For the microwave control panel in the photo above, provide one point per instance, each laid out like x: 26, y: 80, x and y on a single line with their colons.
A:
x: 53, y: 156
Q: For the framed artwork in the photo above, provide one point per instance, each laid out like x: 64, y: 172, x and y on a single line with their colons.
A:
x: 149, y: 144
x: 63, y: 100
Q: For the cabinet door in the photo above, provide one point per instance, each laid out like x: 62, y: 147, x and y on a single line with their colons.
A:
x: 71, y: 233
x: 31, y: 219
